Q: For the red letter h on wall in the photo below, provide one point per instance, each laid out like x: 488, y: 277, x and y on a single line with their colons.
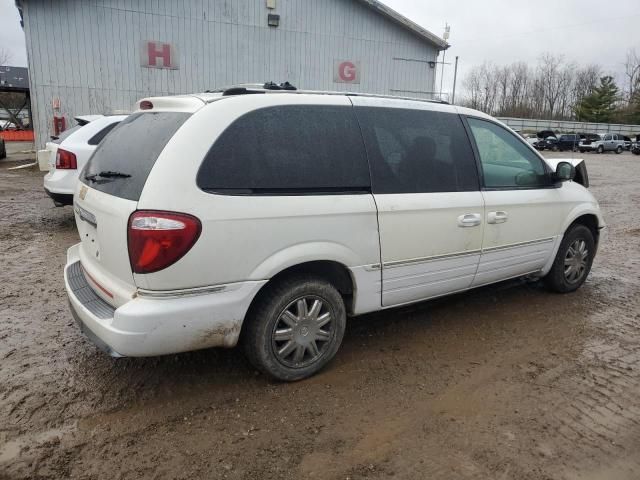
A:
x: 155, y: 51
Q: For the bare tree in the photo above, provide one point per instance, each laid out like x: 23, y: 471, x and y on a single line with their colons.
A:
x: 519, y: 82
x: 551, y: 89
x: 632, y: 71
x: 472, y: 86
x: 5, y: 56
x: 551, y: 80
x: 503, y: 81
x: 565, y: 83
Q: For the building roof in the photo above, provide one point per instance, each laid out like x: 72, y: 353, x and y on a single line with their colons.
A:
x: 376, y: 5
x: 403, y: 21
x: 14, y: 79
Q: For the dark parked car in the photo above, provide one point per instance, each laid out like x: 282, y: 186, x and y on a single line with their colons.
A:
x: 546, y: 133
x: 567, y: 141
x: 627, y: 142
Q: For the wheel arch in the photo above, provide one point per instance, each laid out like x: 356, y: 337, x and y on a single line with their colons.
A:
x: 590, y: 219
x: 336, y: 273
x: 582, y: 215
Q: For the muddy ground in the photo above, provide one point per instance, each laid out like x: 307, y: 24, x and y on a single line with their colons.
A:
x: 506, y: 382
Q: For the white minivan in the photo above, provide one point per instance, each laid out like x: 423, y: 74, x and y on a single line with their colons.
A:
x: 267, y: 217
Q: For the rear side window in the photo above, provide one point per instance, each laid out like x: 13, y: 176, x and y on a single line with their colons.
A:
x: 121, y: 164
x: 97, y: 138
x: 414, y: 151
x: 289, y: 149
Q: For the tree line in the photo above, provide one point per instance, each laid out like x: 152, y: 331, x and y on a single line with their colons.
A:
x: 556, y: 89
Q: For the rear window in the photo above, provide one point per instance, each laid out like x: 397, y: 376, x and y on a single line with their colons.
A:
x: 98, y: 137
x: 66, y: 134
x: 122, y: 162
x: 288, y: 150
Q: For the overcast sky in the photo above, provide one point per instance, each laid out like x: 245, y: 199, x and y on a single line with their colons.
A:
x: 501, y: 31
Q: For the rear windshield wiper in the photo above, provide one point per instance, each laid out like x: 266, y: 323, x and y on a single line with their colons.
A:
x: 106, y: 174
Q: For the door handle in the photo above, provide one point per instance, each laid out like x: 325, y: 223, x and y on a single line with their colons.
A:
x: 469, y: 220
x: 497, y: 217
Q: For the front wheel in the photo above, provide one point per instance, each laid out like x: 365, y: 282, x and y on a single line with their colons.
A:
x: 600, y: 149
x: 295, y: 328
x: 573, y: 260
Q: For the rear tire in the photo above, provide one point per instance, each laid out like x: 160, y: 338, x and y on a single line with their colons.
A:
x: 619, y: 150
x: 573, y: 260
x: 294, y: 328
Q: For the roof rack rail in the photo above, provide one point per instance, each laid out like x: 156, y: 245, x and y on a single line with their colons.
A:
x: 250, y: 88
x: 240, y: 91
x: 268, y: 87
x: 275, y: 86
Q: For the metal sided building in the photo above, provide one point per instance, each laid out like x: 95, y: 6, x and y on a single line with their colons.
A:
x: 100, y: 56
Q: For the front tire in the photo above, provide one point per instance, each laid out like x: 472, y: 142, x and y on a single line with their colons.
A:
x: 295, y: 328
x: 573, y: 260
x: 600, y: 149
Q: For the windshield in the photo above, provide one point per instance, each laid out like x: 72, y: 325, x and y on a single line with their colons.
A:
x: 122, y: 162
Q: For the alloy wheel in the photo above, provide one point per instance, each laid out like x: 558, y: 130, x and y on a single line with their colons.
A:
x: 303, y: 332
x: 576, y: 260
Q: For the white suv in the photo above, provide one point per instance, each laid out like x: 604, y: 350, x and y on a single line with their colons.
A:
x: 268, y: 217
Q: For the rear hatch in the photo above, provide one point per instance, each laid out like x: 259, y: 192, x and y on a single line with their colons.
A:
x: 108, y: 193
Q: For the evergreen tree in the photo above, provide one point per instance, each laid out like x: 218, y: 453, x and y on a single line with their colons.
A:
x: 601, y: 104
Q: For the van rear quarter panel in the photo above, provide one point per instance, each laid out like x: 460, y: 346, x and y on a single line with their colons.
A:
x: 252, y: 237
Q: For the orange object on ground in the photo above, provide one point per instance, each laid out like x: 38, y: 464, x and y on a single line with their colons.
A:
x: 17, y: 135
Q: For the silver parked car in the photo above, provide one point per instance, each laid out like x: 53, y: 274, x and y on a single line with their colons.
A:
x: 609, y: 142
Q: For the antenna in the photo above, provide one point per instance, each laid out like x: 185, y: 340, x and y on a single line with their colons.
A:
x: 445, y: 35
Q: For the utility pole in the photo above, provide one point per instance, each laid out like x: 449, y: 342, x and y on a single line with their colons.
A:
x: 455, y: 77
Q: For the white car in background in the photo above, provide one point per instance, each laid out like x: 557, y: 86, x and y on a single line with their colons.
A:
x: 532, y: 140
x: 67, y: 154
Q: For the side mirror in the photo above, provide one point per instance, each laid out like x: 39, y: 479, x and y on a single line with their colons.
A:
x: 565, y: 171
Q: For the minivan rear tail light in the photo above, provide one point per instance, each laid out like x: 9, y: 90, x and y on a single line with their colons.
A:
x: 159, y: 239
x: 66, y: 160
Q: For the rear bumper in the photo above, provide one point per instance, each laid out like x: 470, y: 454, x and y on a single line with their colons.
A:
x: 60, y: 199
x: 160, y: 324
